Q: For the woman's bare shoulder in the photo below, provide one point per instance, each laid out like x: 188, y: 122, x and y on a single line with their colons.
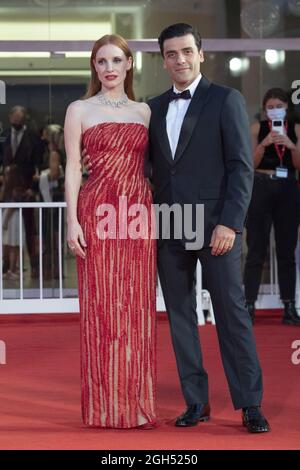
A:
x: 75, y: 107
x: 81, y: 105
x: 144, y: 111
x: 143, y: 107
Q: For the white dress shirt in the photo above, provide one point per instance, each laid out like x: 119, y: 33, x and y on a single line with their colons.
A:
x: 175, y: 115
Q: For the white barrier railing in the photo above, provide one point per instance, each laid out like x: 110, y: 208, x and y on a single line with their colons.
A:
x: 268, y: 297
x: 41, y: 304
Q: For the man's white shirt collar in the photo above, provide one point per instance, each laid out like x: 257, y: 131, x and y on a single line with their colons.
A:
x: 192, y: 87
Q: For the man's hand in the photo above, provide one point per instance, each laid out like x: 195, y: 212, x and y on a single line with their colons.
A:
x: 222, y: 240
x: 150, y: 184
x: 86, y: 161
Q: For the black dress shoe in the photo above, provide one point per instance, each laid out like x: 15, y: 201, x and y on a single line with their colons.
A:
x: 254, y: 420
x: 290, y: 316
x: 193, y: 415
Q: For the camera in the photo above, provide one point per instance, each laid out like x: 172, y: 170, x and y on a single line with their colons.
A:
x: 278, y: 126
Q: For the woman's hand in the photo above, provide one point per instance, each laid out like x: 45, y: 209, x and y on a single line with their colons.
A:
x: 280, y: 139
x: 269, y: 139
x: 75, y: 239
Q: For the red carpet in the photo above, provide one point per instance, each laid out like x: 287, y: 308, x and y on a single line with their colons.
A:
x: 40, y: 393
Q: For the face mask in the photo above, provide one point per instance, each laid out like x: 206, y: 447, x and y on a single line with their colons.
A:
x: 276, y: 113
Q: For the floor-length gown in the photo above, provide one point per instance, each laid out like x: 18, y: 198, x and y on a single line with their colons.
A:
x: 116, y: 282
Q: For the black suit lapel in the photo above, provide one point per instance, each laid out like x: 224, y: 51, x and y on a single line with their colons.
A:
x: 192, y: 115
x: 161, y: 127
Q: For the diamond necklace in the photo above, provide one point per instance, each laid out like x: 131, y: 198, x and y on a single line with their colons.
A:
x: 113, y: 103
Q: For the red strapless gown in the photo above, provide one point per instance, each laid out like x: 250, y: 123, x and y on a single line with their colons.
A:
x: 117, y: 283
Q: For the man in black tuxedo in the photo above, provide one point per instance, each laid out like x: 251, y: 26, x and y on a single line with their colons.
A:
x: 200, y: 153
x: 21, y: 148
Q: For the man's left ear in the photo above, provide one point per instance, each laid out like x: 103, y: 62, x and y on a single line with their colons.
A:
x: 201, y: 55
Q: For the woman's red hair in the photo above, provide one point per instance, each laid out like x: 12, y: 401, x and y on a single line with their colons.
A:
x: 95, y: 84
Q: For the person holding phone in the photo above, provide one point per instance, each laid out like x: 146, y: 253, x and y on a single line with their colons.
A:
x: 275, y: 200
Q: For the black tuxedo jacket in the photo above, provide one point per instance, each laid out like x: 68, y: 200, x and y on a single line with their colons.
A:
x: 213, y: 161
x: 27, y: 156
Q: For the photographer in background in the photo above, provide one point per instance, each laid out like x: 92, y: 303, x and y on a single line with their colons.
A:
x: 275, y: 200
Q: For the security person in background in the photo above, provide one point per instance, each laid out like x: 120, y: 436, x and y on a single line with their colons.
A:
x: 275, y: 200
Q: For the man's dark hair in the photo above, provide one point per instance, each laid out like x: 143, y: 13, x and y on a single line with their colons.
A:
x: 178, y: 30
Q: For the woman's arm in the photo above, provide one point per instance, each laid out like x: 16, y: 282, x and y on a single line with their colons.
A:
x: 72, y: 130
x: 295, y: 150
x: 259, y: 148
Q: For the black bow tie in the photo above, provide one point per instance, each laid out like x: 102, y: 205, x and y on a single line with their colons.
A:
x: 184, y: 95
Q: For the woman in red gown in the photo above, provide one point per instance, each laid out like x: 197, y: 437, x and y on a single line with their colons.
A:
x: 110, y: 231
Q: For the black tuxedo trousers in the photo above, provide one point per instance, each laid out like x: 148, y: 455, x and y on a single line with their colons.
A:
x: 177, y: 268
